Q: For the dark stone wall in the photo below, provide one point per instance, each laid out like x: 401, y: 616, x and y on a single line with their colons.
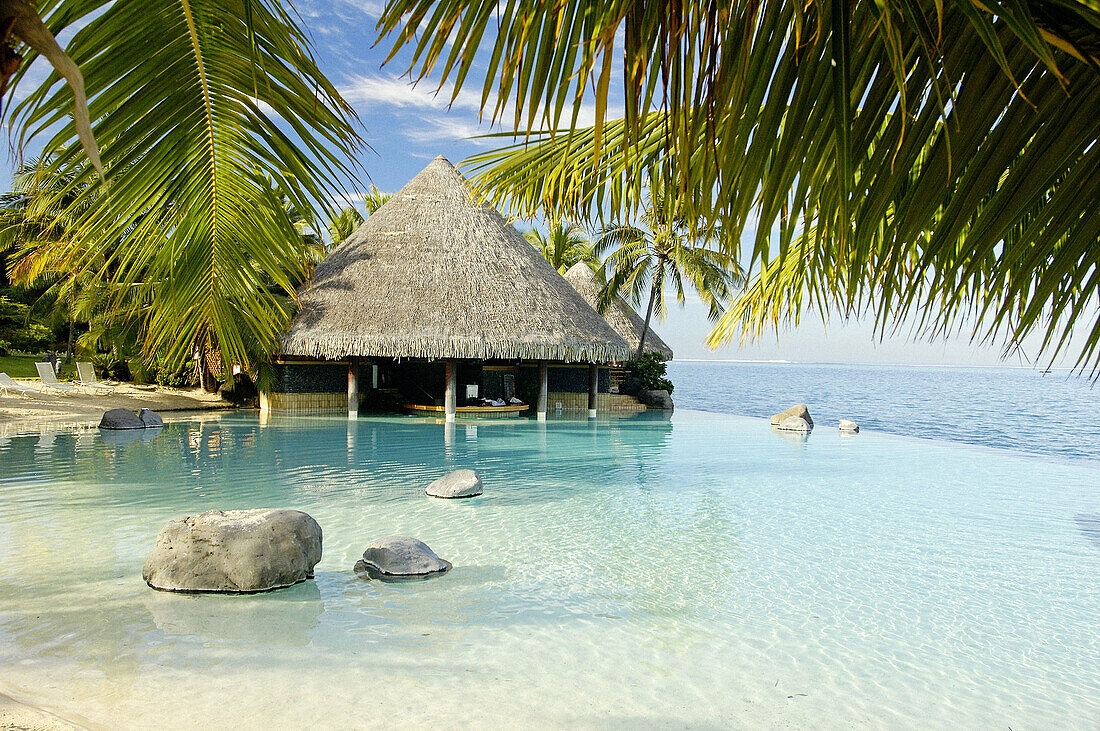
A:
x: 311, y: 378
x: 570, y: 379
x: 575, y: 380
x: 421, y: 382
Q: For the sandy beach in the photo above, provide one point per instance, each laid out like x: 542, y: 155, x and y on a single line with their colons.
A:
x: 16, y: 716
x: 40, y: 407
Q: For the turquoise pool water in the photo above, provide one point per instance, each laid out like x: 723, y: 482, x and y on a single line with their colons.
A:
x: 702, y: 571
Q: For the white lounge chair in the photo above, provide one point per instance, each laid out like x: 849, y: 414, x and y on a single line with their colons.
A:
x: 86, y: 374
x: 49, y: 380
x: 7, y: 385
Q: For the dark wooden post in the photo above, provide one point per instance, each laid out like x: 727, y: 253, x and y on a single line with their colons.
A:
x: 353, y: 387
x: 450, y: 399
x: 542, y: 391
x: 593, y: 388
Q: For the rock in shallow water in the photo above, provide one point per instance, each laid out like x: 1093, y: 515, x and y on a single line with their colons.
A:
x: 658, y: 399
x: 234, y: 552
x: 150, y: 418
x: 460, y: 483
x: 126, y: 419
x: 798, y: 410
x: 120, y: 419
x: 849, y: 426
x: 794, y: 423
x: 400, y: 556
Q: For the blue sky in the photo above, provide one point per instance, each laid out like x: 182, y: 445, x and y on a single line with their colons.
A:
x: 407, y: 126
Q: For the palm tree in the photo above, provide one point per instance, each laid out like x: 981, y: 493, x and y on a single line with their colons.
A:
x: 46, y: 251
x: 344, y: 223
x: 944, y: 155
x: 665, y: 249
x: 201, y: 135
x: 563, y: 245
x: 375, y: 199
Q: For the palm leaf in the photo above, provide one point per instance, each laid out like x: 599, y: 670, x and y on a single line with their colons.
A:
x: 202, y: 133
x: 923, y: 160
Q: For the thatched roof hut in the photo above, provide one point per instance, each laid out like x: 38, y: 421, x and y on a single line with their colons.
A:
x: 620, y: 315
x: 435, y: 274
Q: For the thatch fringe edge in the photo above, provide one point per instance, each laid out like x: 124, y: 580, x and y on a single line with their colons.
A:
x: 333, y: 347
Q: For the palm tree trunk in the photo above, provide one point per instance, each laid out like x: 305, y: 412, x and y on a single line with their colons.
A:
x: 69, y: 349
x: 658, y: 282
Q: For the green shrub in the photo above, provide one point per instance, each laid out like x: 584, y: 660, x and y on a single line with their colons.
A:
x: 111, y: 366
x: 650, y: 371
x: 17, y: 333
x: 181, y: 377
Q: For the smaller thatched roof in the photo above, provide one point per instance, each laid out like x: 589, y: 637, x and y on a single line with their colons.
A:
x: 620, y: 315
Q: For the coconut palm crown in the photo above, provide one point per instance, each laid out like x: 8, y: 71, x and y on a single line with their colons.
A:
x: 665, y: 249
x: 563, y: 245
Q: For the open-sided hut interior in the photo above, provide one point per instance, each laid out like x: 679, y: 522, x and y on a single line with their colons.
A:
x: 435, y: 303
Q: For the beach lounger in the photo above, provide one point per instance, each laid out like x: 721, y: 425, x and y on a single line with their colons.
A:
x: 7, y: 385
x: 49, y: 380
x: 86, y: 374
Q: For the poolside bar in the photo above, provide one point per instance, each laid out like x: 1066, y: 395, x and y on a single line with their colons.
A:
x: 437, y: 306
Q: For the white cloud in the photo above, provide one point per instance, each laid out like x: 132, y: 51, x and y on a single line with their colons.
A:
x: 397, y: 92
x: 432, y: 113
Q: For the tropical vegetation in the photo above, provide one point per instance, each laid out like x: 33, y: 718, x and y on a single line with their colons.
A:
x: 563, y: 245
x: 222, y: 147
x: 39, y: 244
x: 661, y: 250
x: 927, y: 161
x: 649, y: 371
x: 343, y: 224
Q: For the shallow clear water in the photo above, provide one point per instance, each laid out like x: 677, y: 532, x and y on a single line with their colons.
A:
x: 1006, y: 408
x: 624, y: 573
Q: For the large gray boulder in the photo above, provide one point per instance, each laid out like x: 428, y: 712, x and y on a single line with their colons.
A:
x: 400, y: 556
x: 126, y: 419
x: 150, y: 418
x: 121, y: 419
x: 658, y: 399
x: 798, y: 410
x: 234, y: 552
x: 460, y: 483
x: 794, y: 423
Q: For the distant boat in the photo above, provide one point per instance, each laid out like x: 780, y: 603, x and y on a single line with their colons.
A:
x: 1044, y: 371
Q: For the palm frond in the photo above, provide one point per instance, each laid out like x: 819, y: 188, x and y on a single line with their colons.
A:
x: 944, y: 154
x: 197, y: 132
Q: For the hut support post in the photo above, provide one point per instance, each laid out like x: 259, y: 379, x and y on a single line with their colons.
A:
x: 543, y: 398
x: 353, y: 387
x: 593, y: 386
x: 450, y: 399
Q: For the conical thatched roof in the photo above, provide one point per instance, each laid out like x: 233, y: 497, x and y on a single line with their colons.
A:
x: 619, y: 315
x: 433, y: 274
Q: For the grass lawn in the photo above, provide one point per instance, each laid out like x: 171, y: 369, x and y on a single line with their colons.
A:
x: 22, y: 366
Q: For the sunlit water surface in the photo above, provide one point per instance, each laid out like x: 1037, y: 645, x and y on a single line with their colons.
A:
x: 702, y: 571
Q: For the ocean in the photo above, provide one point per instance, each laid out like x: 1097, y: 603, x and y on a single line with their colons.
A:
x: 1019, y: 409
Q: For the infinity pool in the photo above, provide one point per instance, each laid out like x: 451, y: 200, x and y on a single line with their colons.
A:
x: 702, y: 571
